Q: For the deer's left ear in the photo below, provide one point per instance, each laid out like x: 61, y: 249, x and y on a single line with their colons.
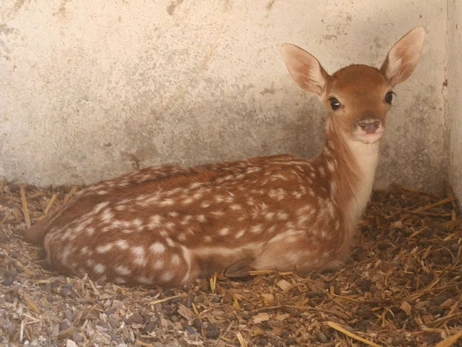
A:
x: 404, y: 56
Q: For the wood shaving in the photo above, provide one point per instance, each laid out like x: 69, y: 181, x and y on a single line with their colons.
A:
x: 402, y: 286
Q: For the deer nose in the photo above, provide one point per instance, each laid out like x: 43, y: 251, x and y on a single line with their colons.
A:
x: 369, y: 123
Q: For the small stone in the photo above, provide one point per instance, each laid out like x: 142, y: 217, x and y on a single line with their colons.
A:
x: 65, y: 291
x: 77, y: 337
x: 104, y: 324
x: 262, y: 342
x: 8, y: 281
x: 311, y: 295
x: 136, y: 318
x: 212, y: 332
x: 448, y: 260
x: 364, y: 285
x: 212, y: 335
x: 197, y: 323
x: 320, y: 336
x: 291, y: 341
x: 383, y: 246
x: 11, y: 329
x: 176, y: 300
x: 189, y: 329
x: 445, y: 253
x: 190, y: 300
x: 113, y: 322
x: 69, y: 315
x: 425, y: 279
x: 64, y: 325
x: 439, y: 299
x: 19, y: 269
x: 70, y: 343
x: 245, y: 315
x: 150, y: 327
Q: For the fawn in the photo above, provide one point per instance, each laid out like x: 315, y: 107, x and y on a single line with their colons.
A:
x: 170, y: 225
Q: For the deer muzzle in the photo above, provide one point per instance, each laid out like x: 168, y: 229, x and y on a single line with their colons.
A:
x: 369, y: 123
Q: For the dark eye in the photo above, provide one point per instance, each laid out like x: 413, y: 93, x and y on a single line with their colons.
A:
x: 389, y: 97
x: 334, y: 103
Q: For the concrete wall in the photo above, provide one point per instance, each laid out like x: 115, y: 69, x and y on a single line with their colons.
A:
x: 454, y: 95
x: 92, y: 89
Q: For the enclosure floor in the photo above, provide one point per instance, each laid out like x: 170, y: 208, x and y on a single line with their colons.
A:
x: 400, y: 287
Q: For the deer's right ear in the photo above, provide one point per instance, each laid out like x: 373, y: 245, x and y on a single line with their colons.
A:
x: 305, y: 69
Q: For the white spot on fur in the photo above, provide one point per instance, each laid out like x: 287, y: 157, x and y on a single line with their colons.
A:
x: 139, y: 255
x: 281, y: 215
x: 157, y: 248
x: 99, y: 269
x: 197, y: 195
x: 187, y: 258
x: 144, y: 280
x: 188, y: 201
x: 235, y: 207
x: 155, y: 221
x: 170, y: 225
x: 90, y: 231
x: 186, y: 220
x: 137, y: 223
x: 330, y: 166
x: 122, y: 244
x: 104, y: 249
x: 167, y: 202
x: 256, y: 229
x: 167, y: 276
x: 100, y: 206
x: 224, y: 232
x: 176, y: 259
x: 84, y: 250
x: 122, y: 270
x: 170, y: 242
x: 195, y: 185
x: 158, y: 264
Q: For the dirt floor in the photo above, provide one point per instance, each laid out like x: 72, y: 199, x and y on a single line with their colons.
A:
x: 401, y: 287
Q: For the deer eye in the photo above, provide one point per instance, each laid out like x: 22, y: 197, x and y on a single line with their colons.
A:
x: 334, y: 103
x: 389, y: 97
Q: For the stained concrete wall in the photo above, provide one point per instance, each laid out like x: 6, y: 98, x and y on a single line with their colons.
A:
x: 454, y: 95
x: 92, y: 89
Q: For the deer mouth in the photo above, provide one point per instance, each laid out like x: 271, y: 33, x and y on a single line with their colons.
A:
x: 368, y: 130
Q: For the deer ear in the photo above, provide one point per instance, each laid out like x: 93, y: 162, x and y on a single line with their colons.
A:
x: 404, y: 56
x: 305, y: 69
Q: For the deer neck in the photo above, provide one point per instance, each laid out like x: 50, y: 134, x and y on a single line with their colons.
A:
x: 356, y: 163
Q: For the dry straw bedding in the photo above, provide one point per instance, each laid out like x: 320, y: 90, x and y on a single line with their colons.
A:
x: 401, y: 287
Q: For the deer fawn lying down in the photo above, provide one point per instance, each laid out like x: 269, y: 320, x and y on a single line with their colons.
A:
x: 170, y: 225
